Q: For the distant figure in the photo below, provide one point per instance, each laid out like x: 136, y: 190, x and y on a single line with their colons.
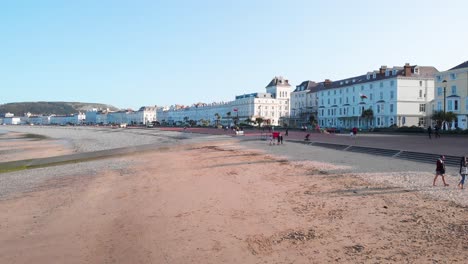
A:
x: 286, y: 132
x: 429, y: 131
x: 281, y: 138
x: 463, y: 171
x: 440, y: 170
x: 307, y: 137
x: 436, y: 129
x: 270, y: 138
x: 354, y: 131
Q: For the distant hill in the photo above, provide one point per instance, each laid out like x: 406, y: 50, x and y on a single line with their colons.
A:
x: 45, y: 108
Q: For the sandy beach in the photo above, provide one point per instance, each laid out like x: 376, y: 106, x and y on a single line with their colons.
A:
x: 225, y: 201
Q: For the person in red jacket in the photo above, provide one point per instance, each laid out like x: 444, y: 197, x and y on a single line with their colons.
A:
x: 440, y: 170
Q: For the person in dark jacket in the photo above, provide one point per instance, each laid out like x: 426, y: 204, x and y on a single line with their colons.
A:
x: 463, y: 171
x: 440, y: 170
x: 429, y: 131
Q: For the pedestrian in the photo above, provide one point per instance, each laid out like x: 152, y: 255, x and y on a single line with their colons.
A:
x: 429, y: 131
x: 440, y: 170
x: 436, y: 129
x: 354, y: 131
x: 270, y: 138
x: 463, y: 170
x: 281, y: 138
x: 286, y: 133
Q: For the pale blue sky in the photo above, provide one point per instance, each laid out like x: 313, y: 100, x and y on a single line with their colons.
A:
x: 134, y: 53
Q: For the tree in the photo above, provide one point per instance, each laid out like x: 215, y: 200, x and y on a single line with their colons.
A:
x: 259, y: 121
x: 218, y: 117
x: 312, y: 119
x: 367, y: 114
x: 440, y: 117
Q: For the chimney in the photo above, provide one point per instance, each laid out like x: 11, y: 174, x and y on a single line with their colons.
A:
x: 407, y: 69
x: 327, y: 83
x: 382, y: 69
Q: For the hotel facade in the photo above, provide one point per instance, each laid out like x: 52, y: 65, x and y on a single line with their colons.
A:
x: 272, y: 106
x: 397, y: 96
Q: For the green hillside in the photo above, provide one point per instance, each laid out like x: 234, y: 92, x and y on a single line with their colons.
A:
x: 46, y: 108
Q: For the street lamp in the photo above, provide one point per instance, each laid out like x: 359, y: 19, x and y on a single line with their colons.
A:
x: 444, y: 84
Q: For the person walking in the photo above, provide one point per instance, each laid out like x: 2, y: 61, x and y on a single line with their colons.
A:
x: 440, y: 170
x: 436, y: 129
x: 429, y: 131
x: 281, y: 138
x: 463, y: 170
x: 286, y: 132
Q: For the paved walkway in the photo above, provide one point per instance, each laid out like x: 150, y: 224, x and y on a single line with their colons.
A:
x: 454, y: 145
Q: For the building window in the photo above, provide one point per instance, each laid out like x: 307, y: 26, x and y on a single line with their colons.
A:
x: 391, y: 108
x: 381, y: 84
x: 334, y: 92
x: 392, y: 83
x: 421, y: 122
x: 453, y: 76
x: 455, y: 105
x: 370, y: 86
x: 370, y: 97
x: 328, y: 100
x: 334, y: 100
x: 439, y: 91
x: 420, y: 94
x: 354, y: 100
x: 422, y: 108
x: 346, y: 99
x: 392, y: 94
x: 439, y: 106
x: 438, y: 78
x: 381, y: 95
x: 346, y: 89
x: 454, y: 89
x: 420, y: 83
x: 353, y: 89
x: 450, y: 105
x: 374, y: 75
x: 340, y: 100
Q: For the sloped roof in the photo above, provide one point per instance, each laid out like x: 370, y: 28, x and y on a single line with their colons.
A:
x: 424, y: 71
x: 463, y: 65
x: 278, y: 81
x: 306, y: 85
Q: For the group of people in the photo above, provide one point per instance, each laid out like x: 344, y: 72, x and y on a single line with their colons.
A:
x: 278, y: 136
x: 436, y: 131
x: 440, y: 171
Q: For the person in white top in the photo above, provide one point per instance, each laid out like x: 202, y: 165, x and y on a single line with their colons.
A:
x: 463, y: 171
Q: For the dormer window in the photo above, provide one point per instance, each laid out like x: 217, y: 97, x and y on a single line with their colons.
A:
x: 341, y: 83
x: 416, y: 70
x: 374, y: 75
x: 368, y: 76
x: 354, y: 80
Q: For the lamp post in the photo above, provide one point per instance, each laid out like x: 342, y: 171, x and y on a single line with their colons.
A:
x: 444, y: 84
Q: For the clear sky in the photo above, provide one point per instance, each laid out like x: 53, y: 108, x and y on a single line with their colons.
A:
x: 134, y: 53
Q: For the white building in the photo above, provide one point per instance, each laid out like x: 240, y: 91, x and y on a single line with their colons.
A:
x: 272, y: 106
x: 75, y: 119
x: 11, y: 120
x: 397, y: 96
x: 304, y: 104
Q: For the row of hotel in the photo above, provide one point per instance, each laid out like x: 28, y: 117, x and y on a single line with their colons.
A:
x: 405, y: 95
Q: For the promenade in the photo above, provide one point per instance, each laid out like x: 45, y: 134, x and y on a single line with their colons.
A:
x: 453, y: 145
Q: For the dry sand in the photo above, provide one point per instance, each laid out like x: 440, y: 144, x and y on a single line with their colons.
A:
x: 220, y: 203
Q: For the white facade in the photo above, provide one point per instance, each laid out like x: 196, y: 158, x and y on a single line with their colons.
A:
x: 271, y: 106
x: 397, y: 96
x: 68, y: 119
x: 12, y: 120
